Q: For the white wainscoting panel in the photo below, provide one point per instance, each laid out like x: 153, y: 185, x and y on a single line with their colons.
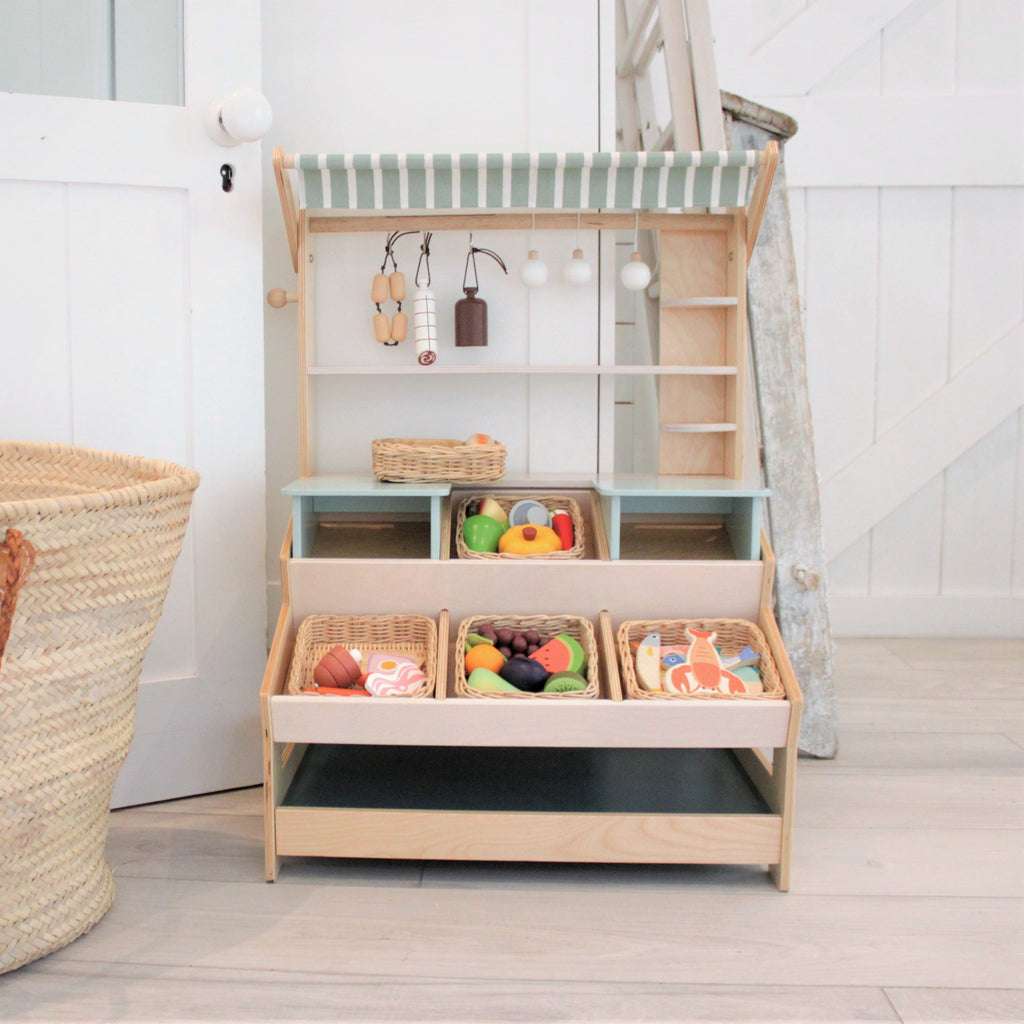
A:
x: 907, y: 198
x: 34, y: 308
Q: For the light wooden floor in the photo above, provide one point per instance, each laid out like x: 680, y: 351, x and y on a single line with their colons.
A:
x: 907, y: 901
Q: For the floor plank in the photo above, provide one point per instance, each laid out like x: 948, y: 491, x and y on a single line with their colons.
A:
x: 538, y: 933
x: 939, y: 863
x: 957, y: 1006
x: 892, y: 753
x: 925, y: 801
x: 99, y: 993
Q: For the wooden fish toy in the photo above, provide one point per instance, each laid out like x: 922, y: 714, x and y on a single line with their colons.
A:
x: 701, y: 669
x: 748, y: 657
x: 648, y: 662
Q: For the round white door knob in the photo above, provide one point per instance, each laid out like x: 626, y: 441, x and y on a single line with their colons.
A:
x: 244, y: 116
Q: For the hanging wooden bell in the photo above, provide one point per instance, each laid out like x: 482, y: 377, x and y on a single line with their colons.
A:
x: 471, y: 311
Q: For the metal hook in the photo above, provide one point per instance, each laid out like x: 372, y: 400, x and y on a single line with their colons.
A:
x: 471, y: 256
x: 389, y: 248
x: 424, y: 255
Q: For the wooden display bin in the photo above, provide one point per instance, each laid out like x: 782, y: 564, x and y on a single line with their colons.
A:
x: 599, y: 665
x: 602, y: 780
x: 583, y: 503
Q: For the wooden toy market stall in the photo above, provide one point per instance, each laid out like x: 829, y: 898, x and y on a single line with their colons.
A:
x: 623, y: 773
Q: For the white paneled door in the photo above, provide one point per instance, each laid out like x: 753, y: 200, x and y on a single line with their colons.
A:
x: 131, y: 319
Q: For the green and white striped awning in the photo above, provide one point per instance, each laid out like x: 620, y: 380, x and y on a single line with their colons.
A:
x: 550, y: 181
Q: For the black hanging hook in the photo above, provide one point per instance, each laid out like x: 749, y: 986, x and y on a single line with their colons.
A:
x: 471, y: 257
x: 389, y: 248
x: 424, y: 255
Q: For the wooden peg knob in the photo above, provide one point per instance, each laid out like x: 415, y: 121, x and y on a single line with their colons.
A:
x: 279, y: 298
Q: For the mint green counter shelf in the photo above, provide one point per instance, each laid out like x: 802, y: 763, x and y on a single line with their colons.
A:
x: 352, y: 492
x: 739, y: 501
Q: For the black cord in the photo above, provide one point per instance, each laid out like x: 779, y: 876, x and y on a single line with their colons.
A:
x: 471, y: 255
x: 424, y: 255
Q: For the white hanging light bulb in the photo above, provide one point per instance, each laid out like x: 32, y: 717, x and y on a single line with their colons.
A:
x: 635, y: 275
x: 577, y: 271
x: 534, y: 271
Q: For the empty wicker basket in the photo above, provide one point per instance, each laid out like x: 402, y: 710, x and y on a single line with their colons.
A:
x: 428, y: 460
x: 107, y: 530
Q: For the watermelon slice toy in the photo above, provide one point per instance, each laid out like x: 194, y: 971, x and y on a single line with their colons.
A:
x: 562, y: 654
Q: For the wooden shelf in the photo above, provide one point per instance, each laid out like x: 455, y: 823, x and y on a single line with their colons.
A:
x: 590, y: 369
x: 698, y: 428
x: 700, y: 302
x: 631, y: 806
x: 525, y: 723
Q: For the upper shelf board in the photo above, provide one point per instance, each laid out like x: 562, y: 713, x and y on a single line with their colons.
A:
x: 502, y: 181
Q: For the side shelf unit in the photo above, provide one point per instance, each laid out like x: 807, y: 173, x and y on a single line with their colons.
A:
x: 608, y: 779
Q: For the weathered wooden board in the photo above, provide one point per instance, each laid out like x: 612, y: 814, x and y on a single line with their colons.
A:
x: 801, y: 592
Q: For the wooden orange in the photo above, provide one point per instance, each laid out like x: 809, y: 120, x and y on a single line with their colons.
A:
x: 484, y: 656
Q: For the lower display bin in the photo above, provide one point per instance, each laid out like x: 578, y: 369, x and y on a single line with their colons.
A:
x: 399, y: 653
x: 561, y: 630
x: 551, y: 804
x: 620, y: 772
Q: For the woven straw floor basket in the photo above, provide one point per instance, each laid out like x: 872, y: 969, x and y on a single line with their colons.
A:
x: 106, y: 530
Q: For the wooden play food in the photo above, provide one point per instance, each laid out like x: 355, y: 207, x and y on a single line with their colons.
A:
x: 490, y: 507
x: 335, y: 691
x: 525, y: 674
x: 489, y: 682
x: 657, y: 660
x: 561, y: 523
x: 373, y: 637
x: 512, y: 627
x: 482, y: 533
x: 529, y: 540
x: 475, y: 504
x: 484, y: 656
x: 338, y: 668
x: 527, y: 512
x: 565, y: 682
x: 561, y: 654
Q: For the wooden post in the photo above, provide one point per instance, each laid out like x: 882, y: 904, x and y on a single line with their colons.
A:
x: 794, y: 513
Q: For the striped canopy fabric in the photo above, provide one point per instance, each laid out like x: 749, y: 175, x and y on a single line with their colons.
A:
x: 499, y: 181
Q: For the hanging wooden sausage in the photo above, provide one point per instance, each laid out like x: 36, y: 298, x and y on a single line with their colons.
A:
x: 393, y: 284
x: 424, y: 308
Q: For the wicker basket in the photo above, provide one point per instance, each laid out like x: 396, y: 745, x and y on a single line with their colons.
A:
x: 549, y: 501
x: 107, y: 530
x: 415, y: 636
x: 733, y: 635
x: 547, y: 625
x: 430, y: 460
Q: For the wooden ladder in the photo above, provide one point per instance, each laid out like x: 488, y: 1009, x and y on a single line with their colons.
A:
x: 780, y: 431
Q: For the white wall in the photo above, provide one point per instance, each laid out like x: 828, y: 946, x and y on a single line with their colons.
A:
x: 907, y: 190
x: 405, y: 76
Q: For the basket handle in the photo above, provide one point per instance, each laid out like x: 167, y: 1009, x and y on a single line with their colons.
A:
x: 17, y: 557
